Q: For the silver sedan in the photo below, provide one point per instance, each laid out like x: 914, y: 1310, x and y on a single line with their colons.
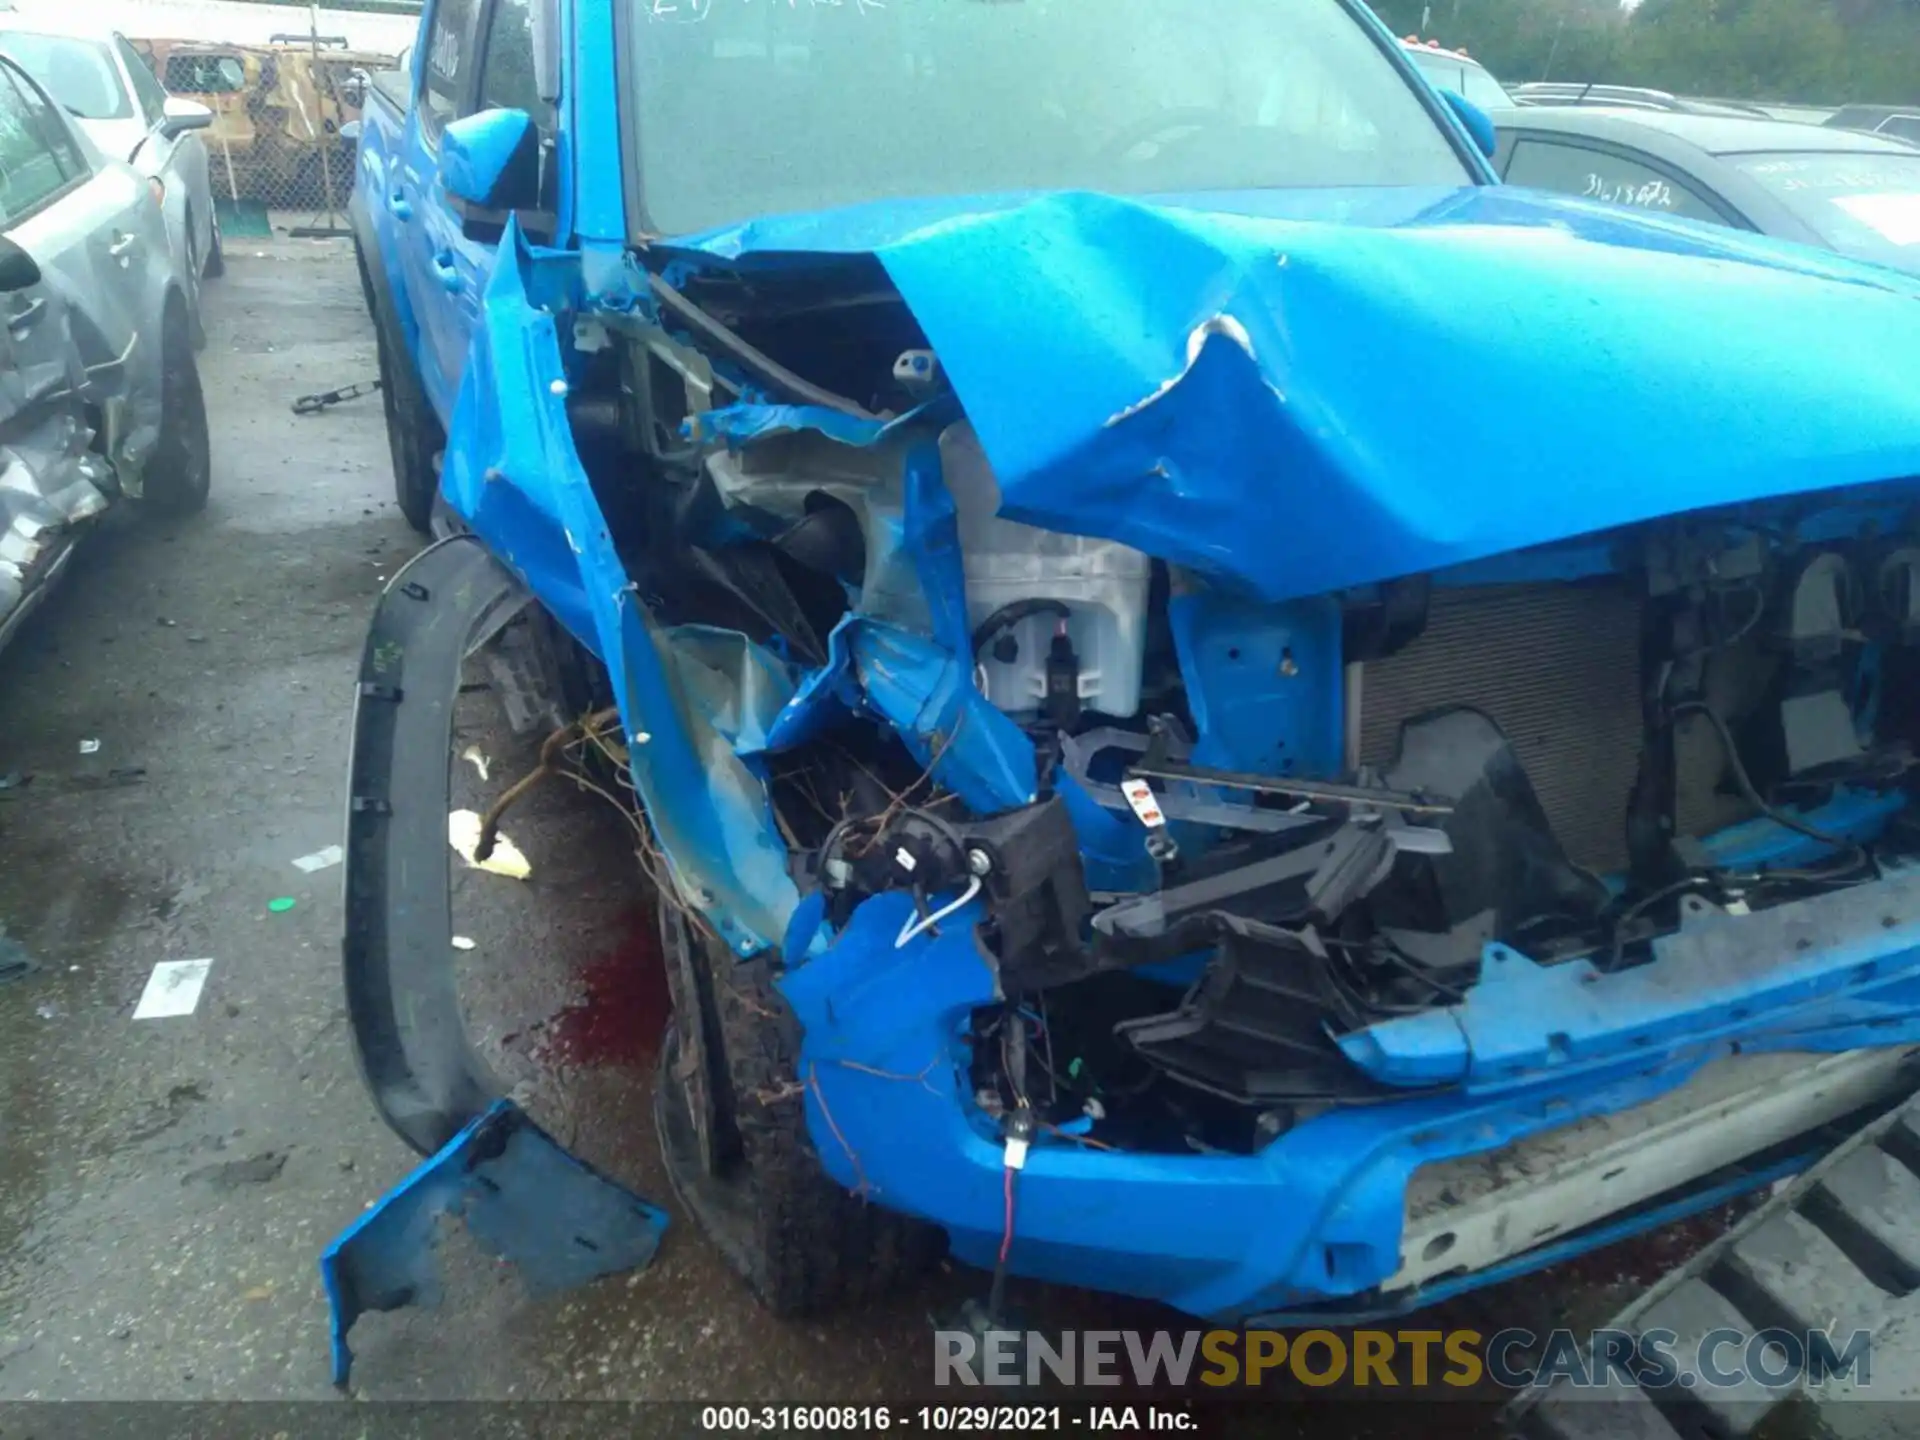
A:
x: 104, y: 84
x: 99, y: 391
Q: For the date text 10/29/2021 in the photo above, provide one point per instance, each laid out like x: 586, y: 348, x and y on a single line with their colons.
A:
x: 919, y: 1419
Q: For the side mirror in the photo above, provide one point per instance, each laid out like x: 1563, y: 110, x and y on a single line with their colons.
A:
x: 1479, y: 124
x: 492, y: 160
x: 181, y: 116
x: 18, y: 271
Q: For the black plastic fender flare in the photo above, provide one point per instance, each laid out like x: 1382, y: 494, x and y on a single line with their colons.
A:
x: 426, y: 1079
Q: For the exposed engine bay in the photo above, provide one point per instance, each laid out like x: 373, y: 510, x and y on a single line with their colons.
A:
x: 1252, y: 828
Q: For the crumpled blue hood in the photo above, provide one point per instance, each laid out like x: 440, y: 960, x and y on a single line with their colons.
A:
x: 1303, y: 391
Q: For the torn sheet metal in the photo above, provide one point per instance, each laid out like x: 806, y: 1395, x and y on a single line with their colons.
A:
x: 559, y: 1222
x: 49, y: 483
x: 1233, y: 384
x: 512, y: 471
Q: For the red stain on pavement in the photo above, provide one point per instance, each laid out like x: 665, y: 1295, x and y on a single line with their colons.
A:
x: 622, y: 1017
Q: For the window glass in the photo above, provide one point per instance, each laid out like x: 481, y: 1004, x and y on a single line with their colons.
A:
x: 1444, y: 70
x: 33, y: 163
x: 79, y: 74
x: 1466, y: 78
x: 1600, y: 175
x: 744, y: 108
x: 1901, y: 127
x: 205, y: 74
x: 147, y: 90
x: 507, y: 78
x: 449, y: 66
x: 1483, y: 90
x: 1862, y: 204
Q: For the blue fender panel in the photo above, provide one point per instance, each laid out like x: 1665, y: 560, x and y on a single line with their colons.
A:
x: 559, y: 1222
x: 511, y: 471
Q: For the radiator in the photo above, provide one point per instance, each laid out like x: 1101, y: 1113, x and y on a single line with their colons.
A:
x: 1557, y: 668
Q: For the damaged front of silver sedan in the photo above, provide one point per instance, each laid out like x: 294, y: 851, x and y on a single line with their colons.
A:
x: 1232, y: 713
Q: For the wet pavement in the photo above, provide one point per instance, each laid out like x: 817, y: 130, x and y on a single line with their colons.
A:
x: 166, y: 1186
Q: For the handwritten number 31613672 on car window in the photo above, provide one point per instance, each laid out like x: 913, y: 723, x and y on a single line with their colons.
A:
x: 1652, y: 195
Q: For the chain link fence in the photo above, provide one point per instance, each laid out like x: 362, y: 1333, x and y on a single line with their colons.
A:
x: 286, y: 117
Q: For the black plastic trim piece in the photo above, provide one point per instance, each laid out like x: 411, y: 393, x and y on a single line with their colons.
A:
x: 425, y: 1077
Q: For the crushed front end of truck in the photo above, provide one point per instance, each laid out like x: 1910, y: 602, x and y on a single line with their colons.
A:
x: 1291, y: 755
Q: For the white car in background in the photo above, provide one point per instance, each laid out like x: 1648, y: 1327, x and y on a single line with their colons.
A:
x: 101, y: 81
x: 1459, y: 72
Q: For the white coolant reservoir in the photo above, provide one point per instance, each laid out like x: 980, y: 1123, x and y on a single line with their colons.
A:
x: 1102, y: 584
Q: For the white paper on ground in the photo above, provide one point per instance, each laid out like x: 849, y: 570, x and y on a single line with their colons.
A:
x: 320, y: 859
x: 172, y: 989
x: 463, y: 833
x: 1896, y: 216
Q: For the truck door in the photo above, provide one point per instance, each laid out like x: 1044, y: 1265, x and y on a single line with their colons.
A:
x: 421, y: 218
x: 504, y: 79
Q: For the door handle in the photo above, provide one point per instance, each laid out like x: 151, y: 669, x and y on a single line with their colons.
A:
x: 123, y: 247
x: 400, y: 207
x: 447, y: 273
x: 26, y: 317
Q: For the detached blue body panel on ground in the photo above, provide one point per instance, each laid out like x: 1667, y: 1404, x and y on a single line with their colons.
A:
x: 555, y: 1220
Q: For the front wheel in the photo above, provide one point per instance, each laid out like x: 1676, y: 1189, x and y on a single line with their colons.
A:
x: 179, y: 472
x: 731, y: 1115
x: 414, y: 436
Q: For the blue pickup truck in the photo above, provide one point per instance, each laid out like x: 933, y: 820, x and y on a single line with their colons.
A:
x: 1234, y: 712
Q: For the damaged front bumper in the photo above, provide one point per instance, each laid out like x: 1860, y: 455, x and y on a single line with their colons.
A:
x: 1317, y: 1217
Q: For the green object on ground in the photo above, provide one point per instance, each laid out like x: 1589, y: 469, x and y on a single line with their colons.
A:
x: 282, y: 905
x: 243, y: 220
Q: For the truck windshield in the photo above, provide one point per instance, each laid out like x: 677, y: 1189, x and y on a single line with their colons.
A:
x: 744, y: 108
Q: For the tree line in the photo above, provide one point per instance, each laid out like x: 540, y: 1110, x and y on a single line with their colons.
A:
x: 1813, y: 51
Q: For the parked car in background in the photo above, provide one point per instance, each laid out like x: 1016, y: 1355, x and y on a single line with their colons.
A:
x: 1837, y: 189
x: 1459, y: 72
x: 1902, y: 122
x: 101, y: 81
x: 284, y: 117
x: 1629, y: 97
x: 99, y: 393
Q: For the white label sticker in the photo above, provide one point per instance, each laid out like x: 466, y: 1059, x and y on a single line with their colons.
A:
x: 173, y: 989
x: 1895, y: 216
x: 1140, y: 796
